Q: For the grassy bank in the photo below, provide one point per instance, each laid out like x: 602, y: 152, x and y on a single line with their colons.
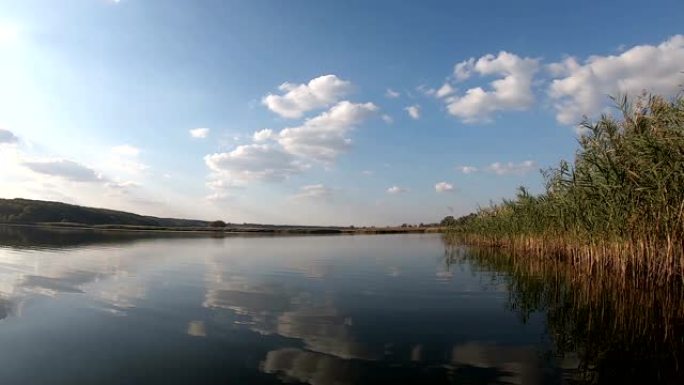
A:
x: 619, y: 204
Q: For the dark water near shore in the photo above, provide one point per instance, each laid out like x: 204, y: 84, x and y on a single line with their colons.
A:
x: 116, y: 308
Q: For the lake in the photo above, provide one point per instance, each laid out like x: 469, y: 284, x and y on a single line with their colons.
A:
x: 115, y: 308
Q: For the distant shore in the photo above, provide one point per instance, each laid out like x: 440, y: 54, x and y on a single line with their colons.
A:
x: 59, y: 215
x: 235, y: 229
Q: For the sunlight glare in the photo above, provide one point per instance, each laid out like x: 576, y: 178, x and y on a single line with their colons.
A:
x: 9, y: 33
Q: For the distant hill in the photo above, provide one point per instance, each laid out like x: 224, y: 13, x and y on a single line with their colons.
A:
x: 26, y: 211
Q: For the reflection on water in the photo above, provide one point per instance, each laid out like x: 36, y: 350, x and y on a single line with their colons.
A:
x: 610, y: 327
x: 27, y: 237
x: 135, y: 308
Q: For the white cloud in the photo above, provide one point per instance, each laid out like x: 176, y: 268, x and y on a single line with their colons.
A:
x: 218, y: 196
x: 221, y: 185
x: 314, y: 192
x: 7, y: 137
x: 467, y: 169
x: 387, y: 119
x: 324, y: 137
x: 122, y: 185
x: 254, y: 162
x: 584, y: 88
x: 63, y: 168
x: 396, y: 190
x: 199, y: 133
x: 122, y: 188
x: 413, y: 111
x: 128, y: 166
x: 124, y: 158
x: 297, y: 99
x: 423, y: 89
x: 275, y: 156
x: 444, y: 187
x: 512, y: 168
x: 390, y: 93
x: 445, y: 90
x: 264, y: 135
x: 126, y: 150
x: 463, y: 70
x: 367, y: 172
x: 511, y: 92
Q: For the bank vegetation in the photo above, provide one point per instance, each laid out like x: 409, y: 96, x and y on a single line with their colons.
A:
x: 620, y: 204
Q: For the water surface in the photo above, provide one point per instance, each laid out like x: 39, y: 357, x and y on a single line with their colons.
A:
x: 116, y: 308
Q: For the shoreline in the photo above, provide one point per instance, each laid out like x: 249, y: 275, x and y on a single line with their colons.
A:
x: 275, y: 230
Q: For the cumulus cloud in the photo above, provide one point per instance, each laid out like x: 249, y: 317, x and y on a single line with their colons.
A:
x: 7, y: 137
x: 513, y: 91
x: 445, y: 90
x: 199, y: 133
x: 254, y: 162
x: 444, y: 187
x: 463, y: 69
x: 467, y: 169
x: 314, y: 192
x: 413, y: 111
x: 512, y: 168
x: 396, y: 190
x: 324, y: 137
x: 276, y: 155
x: 63, y: 168
x: 264, y: 135
x: 392, y: 94
x: 582, y: 88
x: 297, y: 99
x: 387, y: 119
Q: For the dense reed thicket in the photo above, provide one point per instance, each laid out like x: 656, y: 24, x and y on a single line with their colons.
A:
x: 621, y: 203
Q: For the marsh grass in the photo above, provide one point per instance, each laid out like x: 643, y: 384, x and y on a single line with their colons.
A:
x: 619, y: 205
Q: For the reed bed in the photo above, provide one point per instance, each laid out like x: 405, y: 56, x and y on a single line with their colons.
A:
x: 620, y: 204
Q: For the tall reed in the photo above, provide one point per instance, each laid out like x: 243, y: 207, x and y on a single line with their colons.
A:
x: 619, y: 204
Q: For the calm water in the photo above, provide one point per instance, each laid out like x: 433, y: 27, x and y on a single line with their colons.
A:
x: 93, y: 308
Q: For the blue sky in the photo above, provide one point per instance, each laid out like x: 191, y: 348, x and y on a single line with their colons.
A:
x: 369, y: 112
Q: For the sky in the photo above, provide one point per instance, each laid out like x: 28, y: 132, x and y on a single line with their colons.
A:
x: 313, y: 112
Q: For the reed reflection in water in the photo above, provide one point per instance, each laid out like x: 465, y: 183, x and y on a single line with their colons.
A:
x: 619, y: 329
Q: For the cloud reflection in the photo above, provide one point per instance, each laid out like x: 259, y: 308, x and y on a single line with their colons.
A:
x: 335, y: 349
x: 103, y: 275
